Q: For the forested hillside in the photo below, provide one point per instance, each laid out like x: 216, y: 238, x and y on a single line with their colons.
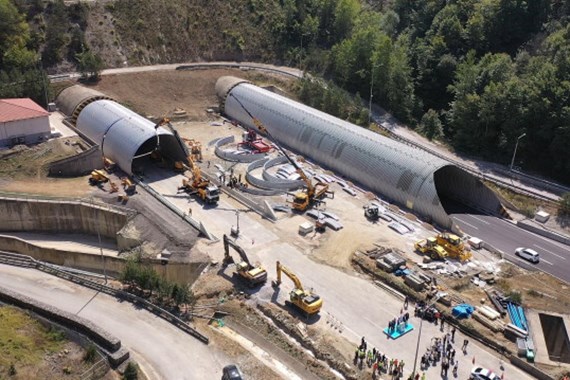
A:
x: 474, y: 73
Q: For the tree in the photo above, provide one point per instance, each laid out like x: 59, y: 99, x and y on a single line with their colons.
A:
x: 564, y: 205
x: 131, y: 372
x: 430, y: 125
x: 89, y: 64
x: 345, y: 15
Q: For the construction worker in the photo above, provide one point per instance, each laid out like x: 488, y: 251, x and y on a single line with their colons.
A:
x: 424, y: 376
x: 356, y: 351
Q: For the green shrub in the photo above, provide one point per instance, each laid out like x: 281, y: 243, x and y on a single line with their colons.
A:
x: 131, y: 372
x: 90, y: 354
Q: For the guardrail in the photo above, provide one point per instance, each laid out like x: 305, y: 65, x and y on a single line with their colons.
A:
x: 14, y: 259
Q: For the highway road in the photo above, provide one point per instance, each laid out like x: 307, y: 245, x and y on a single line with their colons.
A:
x: 506, y: 237
x: 162, y: 350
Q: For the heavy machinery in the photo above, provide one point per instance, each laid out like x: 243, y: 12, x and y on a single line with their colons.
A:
x: 252, y: 275
x: 454, y: 246
x: 308, y: 302
x: 206, y: 190
x: 430, y: 247
x: 128, y: 186
x: 372, y: 212
x: 312, y: 193
x: 195, y: 148
x: 98, y: 177
x: 255, y: 143
x: 109, y: 165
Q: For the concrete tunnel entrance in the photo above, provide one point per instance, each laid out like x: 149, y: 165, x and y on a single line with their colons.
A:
x: 461, y: 192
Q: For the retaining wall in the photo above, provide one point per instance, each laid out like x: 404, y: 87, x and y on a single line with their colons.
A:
x: 544, y: 232
x: 60, y: 216
x: 181, y: 273
x: 78, y: 165
x: 529, y: 368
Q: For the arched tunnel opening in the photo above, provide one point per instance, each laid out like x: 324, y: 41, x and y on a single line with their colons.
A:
x: 461, y: 193
x: 168, y: 147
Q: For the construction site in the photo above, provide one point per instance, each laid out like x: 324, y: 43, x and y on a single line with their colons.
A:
x: 300, y: 235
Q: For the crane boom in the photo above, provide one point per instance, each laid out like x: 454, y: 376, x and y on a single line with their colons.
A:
x: 259, y: 125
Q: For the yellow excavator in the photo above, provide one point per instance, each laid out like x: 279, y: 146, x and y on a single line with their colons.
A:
x: 98, y: 177
x: 312, y: 193
x: 252, y: 275
x: 308, y: 302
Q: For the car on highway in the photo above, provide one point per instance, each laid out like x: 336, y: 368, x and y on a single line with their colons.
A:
x: 231, y: 372
x: 527, y: 254
x: 480, y: 373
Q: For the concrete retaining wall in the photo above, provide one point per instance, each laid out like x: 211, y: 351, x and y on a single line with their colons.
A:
x: 530, y: 369
x: 95, y: 333
x: 59, y: 216
x: 544, y: 232
x: 78, y: 165
x: 181, y: 273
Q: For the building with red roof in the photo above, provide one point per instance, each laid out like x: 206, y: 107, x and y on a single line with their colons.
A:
x: 22, y: 121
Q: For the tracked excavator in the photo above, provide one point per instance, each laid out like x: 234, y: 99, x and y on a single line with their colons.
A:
x: 197, y: 185
x: 251, y: 275
x: 307, y: 302
x: 312, y: 194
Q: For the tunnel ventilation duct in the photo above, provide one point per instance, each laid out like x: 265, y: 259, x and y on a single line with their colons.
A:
x: 124, y: 136
x: 405, y: 175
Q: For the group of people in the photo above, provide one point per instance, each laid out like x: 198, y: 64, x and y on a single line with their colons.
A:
x: 379, y: 362
x: 398, y: 323
x: 442, y: 350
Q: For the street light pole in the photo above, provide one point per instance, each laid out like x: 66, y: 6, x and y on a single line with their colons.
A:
x: 515, y: 152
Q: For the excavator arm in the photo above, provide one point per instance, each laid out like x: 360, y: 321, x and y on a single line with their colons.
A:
x: 280, y: 268
x: 229, y: 243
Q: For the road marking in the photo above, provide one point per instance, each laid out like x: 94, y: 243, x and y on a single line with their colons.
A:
x: 548, y: 262
x: 469, y: 224
x: 479, y: 219
x: 544, y: 249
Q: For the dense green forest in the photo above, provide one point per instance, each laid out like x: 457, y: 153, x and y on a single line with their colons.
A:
x: 476, y: 74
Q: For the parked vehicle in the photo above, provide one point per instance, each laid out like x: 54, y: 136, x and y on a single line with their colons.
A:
x: 528, y: 254
x: 231, y: 372
x: 480, y: 373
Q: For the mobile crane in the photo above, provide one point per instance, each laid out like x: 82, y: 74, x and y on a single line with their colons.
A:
x: 309, y: 303
x: 252, y: 275
x: 206, y: 190
x: 312, y: 193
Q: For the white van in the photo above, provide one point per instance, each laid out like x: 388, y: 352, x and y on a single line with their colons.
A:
x: 527, y: 254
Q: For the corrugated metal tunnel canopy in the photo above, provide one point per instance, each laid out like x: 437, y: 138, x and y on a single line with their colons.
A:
x: 124, y: 136
x: 403, y: 174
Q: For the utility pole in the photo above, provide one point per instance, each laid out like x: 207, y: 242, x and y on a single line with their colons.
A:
x: 515, y: 152
x: 370, y: 101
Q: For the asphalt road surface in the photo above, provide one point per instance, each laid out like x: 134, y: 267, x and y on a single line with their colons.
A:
x: 162, y: 350
x: 507, y: 237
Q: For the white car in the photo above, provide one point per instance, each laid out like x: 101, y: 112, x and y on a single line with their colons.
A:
x: 527, y: 254
x: 480, y: 373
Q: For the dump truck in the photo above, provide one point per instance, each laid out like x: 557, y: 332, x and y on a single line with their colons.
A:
x: 307, y: 302
x: 313, y: 193
x: 454, y: 246
x: 251, y: 275
x: 430, y: 247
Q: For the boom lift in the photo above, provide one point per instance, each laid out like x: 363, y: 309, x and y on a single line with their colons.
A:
x: 312, y: 193
x: 253, y: 276
x: 309, y: 303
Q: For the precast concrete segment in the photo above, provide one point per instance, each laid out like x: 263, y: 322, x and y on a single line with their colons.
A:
x: 401, y: 173
x: 123, y: 135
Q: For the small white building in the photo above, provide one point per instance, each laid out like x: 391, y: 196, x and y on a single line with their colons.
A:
x: 22, y: 121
